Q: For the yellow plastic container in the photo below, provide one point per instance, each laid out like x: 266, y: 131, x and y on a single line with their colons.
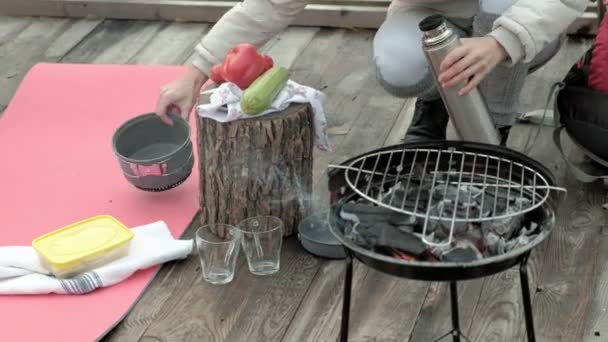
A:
x: 83, y: 245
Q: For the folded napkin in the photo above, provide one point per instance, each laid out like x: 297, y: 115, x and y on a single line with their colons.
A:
x: 21, y: 272
x: 224, y: 106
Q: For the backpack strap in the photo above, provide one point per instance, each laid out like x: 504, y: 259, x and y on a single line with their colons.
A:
x: 529, y: 144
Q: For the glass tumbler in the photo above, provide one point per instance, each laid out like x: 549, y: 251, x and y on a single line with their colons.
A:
x: 262, y: 240
x: 218, y: 247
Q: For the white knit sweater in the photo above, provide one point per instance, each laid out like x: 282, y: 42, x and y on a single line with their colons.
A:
x: 524, y: 29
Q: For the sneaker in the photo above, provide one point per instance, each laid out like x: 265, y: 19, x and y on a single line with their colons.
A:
x: 430, y: 122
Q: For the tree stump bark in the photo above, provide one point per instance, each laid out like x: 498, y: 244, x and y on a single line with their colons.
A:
x: 258, y: 166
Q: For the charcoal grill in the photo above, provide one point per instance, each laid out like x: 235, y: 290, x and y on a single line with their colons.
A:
x: 372, y: 176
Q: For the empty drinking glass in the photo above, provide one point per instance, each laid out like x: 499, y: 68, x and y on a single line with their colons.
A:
x: 261, y: 241
x: 218, y: 246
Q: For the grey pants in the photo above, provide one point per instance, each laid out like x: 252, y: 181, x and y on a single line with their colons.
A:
x: 403, y: 71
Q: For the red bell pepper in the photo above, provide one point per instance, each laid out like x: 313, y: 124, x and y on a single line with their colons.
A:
x: 242, y: 65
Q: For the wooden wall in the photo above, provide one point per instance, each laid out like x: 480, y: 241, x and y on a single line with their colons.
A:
x: 324, y: 13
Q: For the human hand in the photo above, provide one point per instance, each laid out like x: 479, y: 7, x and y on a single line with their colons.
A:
x: 179, y: 96
x: 471, y: 62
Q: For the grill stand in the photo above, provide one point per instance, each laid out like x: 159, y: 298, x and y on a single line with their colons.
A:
x: 525, y: 291
x: 455, y: 333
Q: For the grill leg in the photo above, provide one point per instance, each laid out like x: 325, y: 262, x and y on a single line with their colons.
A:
x: 348, y: 279
x: 525, y: 290
x: 455, y: 319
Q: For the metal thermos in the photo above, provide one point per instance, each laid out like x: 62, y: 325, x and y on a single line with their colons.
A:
x: 468, y: 113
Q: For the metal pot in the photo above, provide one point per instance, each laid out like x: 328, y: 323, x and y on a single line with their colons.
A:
x: 316, y: 237
x: 152, y: 155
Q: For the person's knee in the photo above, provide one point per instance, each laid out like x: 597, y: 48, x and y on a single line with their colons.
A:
x: 401, y: 78
x: 401, y: 66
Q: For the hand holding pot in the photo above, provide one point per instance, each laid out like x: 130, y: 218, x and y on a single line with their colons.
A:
x: 180, y: 96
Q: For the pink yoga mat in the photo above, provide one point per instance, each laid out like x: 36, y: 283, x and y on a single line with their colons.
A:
x: 57, y: 167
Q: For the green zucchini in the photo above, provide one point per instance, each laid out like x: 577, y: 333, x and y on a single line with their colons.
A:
x: 260, y: 94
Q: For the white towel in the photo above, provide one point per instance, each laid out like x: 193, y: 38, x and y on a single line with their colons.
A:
x: 21, y: 272
x: 224, y: 106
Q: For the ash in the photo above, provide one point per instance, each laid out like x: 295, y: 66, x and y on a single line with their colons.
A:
x: 400, y: 235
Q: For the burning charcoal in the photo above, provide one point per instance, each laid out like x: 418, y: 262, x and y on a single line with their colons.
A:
x: 525, y: 236
x: 384, y: 235
x: 473, y: 236
x: 366, y: 213
x: 445, y: 196
x: 460, y: 255
x: 410, y: 201
x: 533, y: 227
x: 396, y: 253
x: 523, y: 232
x: 521, y: 203
x: 503, y: 227
x: 498, y: 245
x: 464, y: 193
x: 415, y: 199
x: 491, y: 241
x: 350, y: 232
x: 495, y: 245
x: 500, y: 201
x: 382, y: 197
x: 418, y: 173
x: 429, y: 256
x: 471, y: 239
x: 520, y: 241
x: 430, y: 237
x: 445, y: 210
x: 388, y: 251
x: 494, y: 200
x: 463, y: 252
x: 446, y: 177
x: 406, y: 228
x: 402, y: 255
x: 438, y: 251
x: 508, y: 226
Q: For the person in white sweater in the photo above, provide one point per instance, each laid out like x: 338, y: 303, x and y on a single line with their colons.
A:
x: 503, y: 40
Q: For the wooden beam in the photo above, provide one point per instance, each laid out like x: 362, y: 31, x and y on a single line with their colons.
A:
x: 366, y: 14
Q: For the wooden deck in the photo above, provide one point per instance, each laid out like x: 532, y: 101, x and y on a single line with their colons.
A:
x: 302, y: 303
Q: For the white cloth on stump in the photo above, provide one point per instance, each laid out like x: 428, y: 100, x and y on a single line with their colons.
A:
x: 21, y: 272
x: 225, y: 106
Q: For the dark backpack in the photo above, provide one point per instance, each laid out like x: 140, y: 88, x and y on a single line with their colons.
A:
x: 582, y: 112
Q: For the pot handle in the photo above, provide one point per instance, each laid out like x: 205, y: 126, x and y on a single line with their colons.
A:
x: 161, y: 166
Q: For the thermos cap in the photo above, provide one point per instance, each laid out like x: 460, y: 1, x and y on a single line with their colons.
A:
x: 434, y: 30
x: 431, y: 22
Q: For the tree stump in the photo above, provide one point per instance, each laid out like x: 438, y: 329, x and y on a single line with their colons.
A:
x: 257, y: 166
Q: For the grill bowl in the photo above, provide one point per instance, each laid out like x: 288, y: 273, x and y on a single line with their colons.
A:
x: 543, y: 215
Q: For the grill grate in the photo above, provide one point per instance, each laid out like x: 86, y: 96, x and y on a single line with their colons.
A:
x: 452, y: 180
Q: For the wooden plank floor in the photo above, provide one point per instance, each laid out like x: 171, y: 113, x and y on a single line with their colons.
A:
x: 569, y: 277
